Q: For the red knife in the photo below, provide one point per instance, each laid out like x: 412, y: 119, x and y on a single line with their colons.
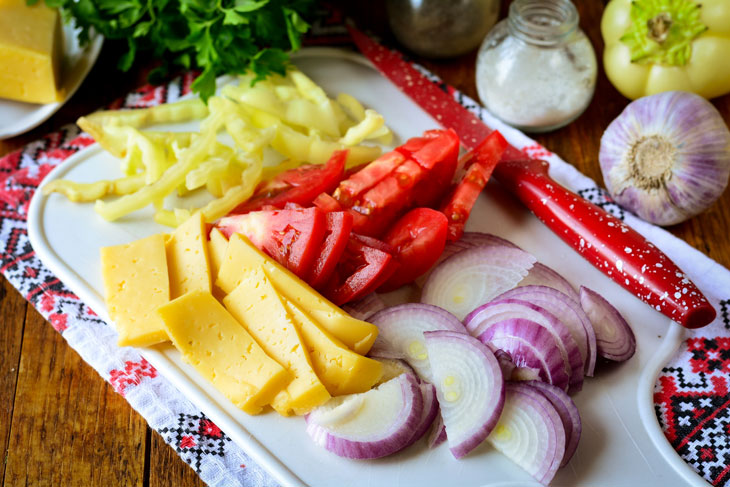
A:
x: 609, y: 244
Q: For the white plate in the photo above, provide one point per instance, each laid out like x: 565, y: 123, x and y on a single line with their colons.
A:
x: 18, y: 117
x: 621, y: 445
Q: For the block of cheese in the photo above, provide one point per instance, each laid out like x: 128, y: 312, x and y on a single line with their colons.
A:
x: 135, y: 284
x: 358, y: 335
x: 187, y: 257
x: 222, y: 351
x: 30, y: 52
x: 257, y: 306
x: 341, y: 370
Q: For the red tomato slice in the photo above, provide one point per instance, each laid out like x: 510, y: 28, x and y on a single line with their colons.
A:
x: 327, y: 203
x: 415, y: 144
x: 443, y: 147
x: 336, y: 236
x: 418, y: 239
x: 361, y: 270
x: 479, y: 164
x: 300, y: 185
x: 291, y: 237
x: 367, y: 177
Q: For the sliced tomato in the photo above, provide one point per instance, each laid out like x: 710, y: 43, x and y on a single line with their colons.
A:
x: 336, y: 236
x: 417, y: 239
x: 291, y: 237
x: 415, y: 144
x: 327, y: 202
x: 348, y: 190
x: 442, y: 146
x: 300, y: 185
x: 478, y: 164
x: 361, y: 270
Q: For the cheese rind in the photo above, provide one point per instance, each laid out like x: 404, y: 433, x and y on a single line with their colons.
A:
x: 257, y: 306
x: 135, y: 284
x: 358, y: 335
x: 30, y: 52
x: 187, y: 258
x: 341, y: 370
x: 222, y: 351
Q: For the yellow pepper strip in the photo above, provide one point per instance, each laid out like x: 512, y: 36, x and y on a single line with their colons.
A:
x: 236, y: 195
x: 169, y: 181
x: 85, y: 192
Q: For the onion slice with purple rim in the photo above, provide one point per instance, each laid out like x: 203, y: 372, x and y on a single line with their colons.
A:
x: 438, y: 433
x: 504, y: 309
x: 400, y: 333
x: 474, y: 276
x: 531, y: 347
x: 542, y: 275
x: 567, y: 311
x: 364, y: 308
x: 568, y: 412
x: 469, y: 387
x: 614, y: 338
x: 430, y: 411
x: 371, y: 424
x: 530, y: 432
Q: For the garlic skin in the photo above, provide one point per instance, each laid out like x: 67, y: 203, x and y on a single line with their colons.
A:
x: 666, y: 157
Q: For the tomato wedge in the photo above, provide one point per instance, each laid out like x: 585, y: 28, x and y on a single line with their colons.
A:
x: 418, y: 173
x: 291, y: 237
x: 336, y: 236
x: 300, y: 185
x: 362, y: 269
x: 478, y: 164
x: 418, y: 239
x: 348, y: 190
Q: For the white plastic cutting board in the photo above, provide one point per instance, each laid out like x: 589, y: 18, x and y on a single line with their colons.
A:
x: 621, y: 446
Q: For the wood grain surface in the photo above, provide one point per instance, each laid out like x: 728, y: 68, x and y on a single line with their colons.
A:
x: 61, y: 424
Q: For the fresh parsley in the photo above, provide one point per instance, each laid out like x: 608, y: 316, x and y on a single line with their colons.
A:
x: 215, y: 36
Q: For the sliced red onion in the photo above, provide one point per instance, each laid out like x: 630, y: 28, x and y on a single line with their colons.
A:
x: 429, y: 414
x: 364, y: 308
x: 468, y: 240
x: 469, y: 387
x: 569, y: 415
x: 542, y: 275
x: 666, y: 157
x: 474, y: 276
x: 532, y: 347
x: 400, y: 333
x: 567, y: 311
x: 505, y: 360
x: 392, y: 368
x: 438, y: 433
x: 614, y: 338
x: 496, y: 311
x: 372, y: 424
x: 530, y: 432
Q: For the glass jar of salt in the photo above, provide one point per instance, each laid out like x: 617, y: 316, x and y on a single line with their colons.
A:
x: 536, y: 70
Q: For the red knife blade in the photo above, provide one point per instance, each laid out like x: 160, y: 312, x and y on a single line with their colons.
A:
x: 609, y: 244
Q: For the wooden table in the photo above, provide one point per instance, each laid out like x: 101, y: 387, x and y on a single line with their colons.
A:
x: 61, y: 424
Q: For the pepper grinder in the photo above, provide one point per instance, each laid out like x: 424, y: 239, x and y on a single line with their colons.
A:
x: 441, y: 28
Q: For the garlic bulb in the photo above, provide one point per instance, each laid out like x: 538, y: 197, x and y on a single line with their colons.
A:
x: 666, y: 157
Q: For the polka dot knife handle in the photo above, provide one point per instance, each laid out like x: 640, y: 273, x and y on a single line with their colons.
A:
x: 609, y: 244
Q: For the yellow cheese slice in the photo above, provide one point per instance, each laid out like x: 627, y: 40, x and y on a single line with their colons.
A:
x: 217, y: 245
x: 135, y: 284
x: 187, y: 257
x: 257, y: 306
x: 30, y: 52
x: 222, y: 351
x: 217, y: 251
x: 341, y: 370
x: 358, y: 335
